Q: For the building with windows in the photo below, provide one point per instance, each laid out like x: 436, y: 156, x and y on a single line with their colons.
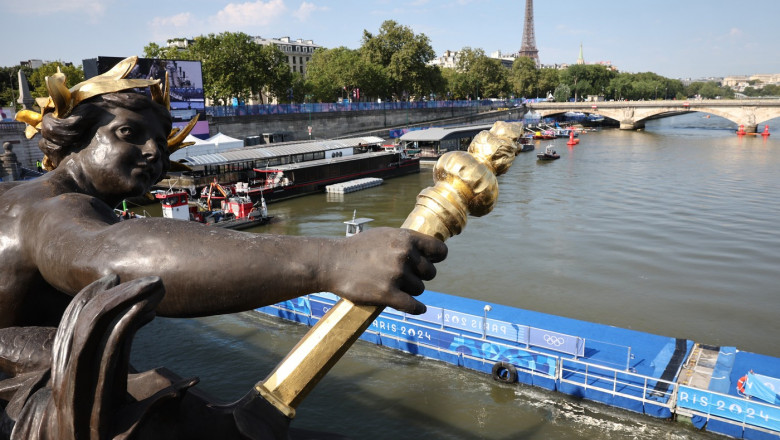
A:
x: 35, y: 64
x: 448, y: 60
x: 741, y: 82
x: 298, y: 52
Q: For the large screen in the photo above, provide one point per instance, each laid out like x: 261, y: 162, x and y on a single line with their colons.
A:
x: 186, y: 82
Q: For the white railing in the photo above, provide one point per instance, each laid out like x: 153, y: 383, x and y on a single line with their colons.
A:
x: 618, y: 382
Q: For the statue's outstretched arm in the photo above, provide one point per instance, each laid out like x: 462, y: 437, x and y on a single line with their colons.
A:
x: 209, y: 270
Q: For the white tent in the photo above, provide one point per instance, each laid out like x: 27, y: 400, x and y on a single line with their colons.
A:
x: 215, y: 144
x: 225, y: 142
x: 191, y: 138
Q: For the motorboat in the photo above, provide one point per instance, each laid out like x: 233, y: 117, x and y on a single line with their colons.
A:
x: 549, y: 153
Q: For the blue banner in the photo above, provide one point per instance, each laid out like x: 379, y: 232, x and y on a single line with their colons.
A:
x: 737, y: 409
x: 462, y: 321
x: 557, y: 341
x: 432, y: 315
x: 299, y: 305
x: 320, y: 306
x: 411, y: 332
x: 762, y: 387
x: 454, y: 342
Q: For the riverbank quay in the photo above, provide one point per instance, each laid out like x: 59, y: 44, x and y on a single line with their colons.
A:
x: 334, y: 120
x: 637, y: 371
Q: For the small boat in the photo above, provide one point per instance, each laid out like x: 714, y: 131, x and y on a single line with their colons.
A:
x: 548, y: 154
x: 544, y: 135
x: 524, y: 144
x: 126, y: 214
x: 237, y: 211
x: 525, y: 147
x: 356, y: 225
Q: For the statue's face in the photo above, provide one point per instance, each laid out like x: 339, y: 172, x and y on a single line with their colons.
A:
x: 127, y: 155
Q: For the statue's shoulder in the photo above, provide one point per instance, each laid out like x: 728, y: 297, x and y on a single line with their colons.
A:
x: 39, y: 194
x: 5, y: 186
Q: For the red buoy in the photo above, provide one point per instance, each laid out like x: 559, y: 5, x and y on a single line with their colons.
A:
x: 572, y: 141
x: 741, y: 130
x: 765, y: 133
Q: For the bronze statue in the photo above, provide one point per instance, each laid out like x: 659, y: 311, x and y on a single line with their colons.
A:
x: 59, y: 236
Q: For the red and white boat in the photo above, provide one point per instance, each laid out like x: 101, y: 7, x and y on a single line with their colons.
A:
x: 237, y: 209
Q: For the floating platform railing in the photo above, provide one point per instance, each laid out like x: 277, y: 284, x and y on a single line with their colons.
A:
x: 605, y: 384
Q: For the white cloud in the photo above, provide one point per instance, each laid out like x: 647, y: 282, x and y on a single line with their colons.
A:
x: 185, y: 19
x: 307, y: 9
x: 240, y: 15
x: 735, y: 32
x: 179, y: 25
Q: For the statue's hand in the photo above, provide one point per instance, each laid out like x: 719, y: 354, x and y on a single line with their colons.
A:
x: 382, y: 267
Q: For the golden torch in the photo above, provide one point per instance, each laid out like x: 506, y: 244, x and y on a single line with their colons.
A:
x: 464, y: 183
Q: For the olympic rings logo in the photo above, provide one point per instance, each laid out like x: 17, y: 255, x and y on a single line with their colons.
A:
x: 554, y: 340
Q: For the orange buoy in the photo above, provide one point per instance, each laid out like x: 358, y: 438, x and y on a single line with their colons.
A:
x: 572, y: 141
x: 741, y: 384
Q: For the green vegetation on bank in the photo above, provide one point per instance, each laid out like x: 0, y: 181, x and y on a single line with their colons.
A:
x: 392, y: 64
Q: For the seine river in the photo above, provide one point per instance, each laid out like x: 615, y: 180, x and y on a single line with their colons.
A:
x: 672, y: 230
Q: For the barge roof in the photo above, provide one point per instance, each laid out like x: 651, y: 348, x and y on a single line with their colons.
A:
x: 282, y: 149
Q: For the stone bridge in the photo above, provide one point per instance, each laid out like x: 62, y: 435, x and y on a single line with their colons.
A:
x: 749, y: 113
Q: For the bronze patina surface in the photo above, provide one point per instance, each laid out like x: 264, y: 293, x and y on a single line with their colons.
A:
x: 60, y: 239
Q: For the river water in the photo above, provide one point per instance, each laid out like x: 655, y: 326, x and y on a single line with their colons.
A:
x: 672, y: 230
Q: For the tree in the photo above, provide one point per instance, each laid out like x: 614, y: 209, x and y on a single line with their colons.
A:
x: 335, y: 73
x: 404, y: 58
x: 524, y: 76
x: 9, y: 85
x: 223, y: 73
x: 299, y: 89
x: 620, y: 87
x: 549, y: 78
x: 455, y: 84
x: 37, y: 80
x: 587, y: 79
x: 562, y: 93
x: 275, y: 77
x: 484, y: 76
x: 709, y: 90
x: 153, y: 50
x: 234, y: 66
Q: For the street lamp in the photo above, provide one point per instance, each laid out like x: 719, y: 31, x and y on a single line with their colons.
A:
x: 11, y: 79
x: 307, y: 98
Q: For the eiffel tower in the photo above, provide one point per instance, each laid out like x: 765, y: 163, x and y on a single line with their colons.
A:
x: 528, y: 48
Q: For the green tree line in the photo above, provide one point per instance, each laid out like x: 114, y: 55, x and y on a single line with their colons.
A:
x: 391, y: 64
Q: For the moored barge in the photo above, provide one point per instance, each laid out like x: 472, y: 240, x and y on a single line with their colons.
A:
x: 293, y: 169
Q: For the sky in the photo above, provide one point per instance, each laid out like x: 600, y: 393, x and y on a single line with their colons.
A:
x: 674, y: 38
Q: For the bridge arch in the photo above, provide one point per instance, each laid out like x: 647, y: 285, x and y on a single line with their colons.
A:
x: 633, y: 114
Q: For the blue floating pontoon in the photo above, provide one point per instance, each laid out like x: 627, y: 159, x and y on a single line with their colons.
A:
x: 650, y: 374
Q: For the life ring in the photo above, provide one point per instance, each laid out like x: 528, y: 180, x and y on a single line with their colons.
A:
x: 741, y: 384
x: 504, y: 372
